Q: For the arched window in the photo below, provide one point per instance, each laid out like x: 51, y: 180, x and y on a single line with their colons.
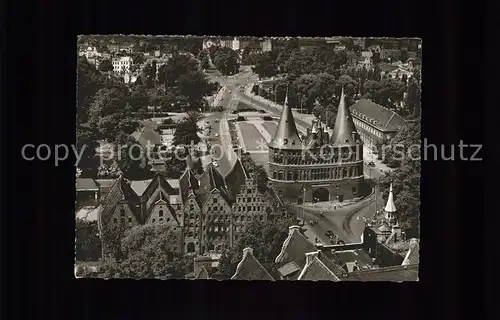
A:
x: 275, y: 175
x: 290, y: 176
x: 295, y: 176
x: 160, y: 213
x: 280, y: 175
x: 122, y: 213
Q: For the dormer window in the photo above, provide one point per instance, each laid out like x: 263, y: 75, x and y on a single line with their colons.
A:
x: 293, y: 142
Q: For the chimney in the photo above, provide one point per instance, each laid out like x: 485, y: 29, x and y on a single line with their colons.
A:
x: 310, y: 257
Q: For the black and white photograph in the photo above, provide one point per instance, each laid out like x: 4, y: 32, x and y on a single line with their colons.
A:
x: 248, y: 158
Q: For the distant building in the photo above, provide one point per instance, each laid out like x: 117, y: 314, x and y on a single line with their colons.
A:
x: 210, y: 42
x: 375, y: 124
x: 266, y: 45
x: 122, y: 64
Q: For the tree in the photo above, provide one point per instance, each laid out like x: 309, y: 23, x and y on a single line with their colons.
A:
x: 147, y: 251
x: 187, y: 130
x: 406, y: 182
x: 265, y: 65
x: 87, y: 241
x: 261, y: 179
x: 133, y: 162
x: 194, y: 86
x: 178, y: 65
x: 266, y: 240
x: 86, y: 140
x: 226, y: 60
x: 105, y: 66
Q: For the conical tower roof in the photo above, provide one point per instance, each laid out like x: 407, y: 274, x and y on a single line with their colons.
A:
x: 390, y: 207
x: 286, y: 136
x: 344, y: 125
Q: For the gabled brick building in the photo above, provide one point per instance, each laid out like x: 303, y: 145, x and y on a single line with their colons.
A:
x: 207, y: 213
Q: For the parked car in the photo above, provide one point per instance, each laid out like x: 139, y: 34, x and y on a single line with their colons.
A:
x: 267, y: 118
x: 371, y: 164
x: 241, y: 118
x: 262, y: 111
x: 329, y: 234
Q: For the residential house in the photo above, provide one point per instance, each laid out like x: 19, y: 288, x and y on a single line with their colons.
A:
x: 122, y: 64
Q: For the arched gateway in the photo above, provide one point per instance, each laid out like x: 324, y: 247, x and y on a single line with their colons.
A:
x: 321, y: 194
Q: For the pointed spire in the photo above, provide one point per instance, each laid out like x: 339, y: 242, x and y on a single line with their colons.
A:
x: 390, y: 207
x: 344, y: 130
x: 287, y: 135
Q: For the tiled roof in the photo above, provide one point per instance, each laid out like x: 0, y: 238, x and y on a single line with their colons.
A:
x: 344, y: 125
x: 413, y: 255
x: 120, y: 191
x: 139, y: 186
x: 86, y: 184
x: 210, y: 180
x: 295, y: 248
x: 397, y: 274
x: 384, y: 118
x: 316, y: 270
x: 249, y: 268
x: 288, y: 269
x: 174, y: 183
x: 236, y: 178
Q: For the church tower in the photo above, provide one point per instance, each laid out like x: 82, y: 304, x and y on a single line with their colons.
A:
x: 390, y: 208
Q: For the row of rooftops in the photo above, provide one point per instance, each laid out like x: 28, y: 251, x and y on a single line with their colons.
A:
x: 299, y: 259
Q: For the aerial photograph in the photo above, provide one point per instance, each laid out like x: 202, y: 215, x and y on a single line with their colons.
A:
x: 248, y: 158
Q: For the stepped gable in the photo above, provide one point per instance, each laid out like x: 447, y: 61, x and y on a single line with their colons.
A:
x: 344, y: 130
x: 120, y: 192
x: 286, y: 135
x: 316, y: 269
x: 249, y: 268
x: 211, y: 180
x: 294, y: 248
x: 236, y: 178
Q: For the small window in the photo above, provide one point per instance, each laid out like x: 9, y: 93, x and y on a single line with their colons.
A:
x: 249, y: 190
x: 215, y: 200
x: 122, y: 213
x: 154, y: 220
x: 168, y: 219
x: 221, y: 208
x: 115, y: 220
x: 249, y: 208
x: 160, y: 213
x: 249, y: 199
x: 161, y: 219
x: 191, y: 207
x: 354, y: 190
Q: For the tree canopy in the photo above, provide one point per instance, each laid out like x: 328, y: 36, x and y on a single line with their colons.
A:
x: 147, y: 251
